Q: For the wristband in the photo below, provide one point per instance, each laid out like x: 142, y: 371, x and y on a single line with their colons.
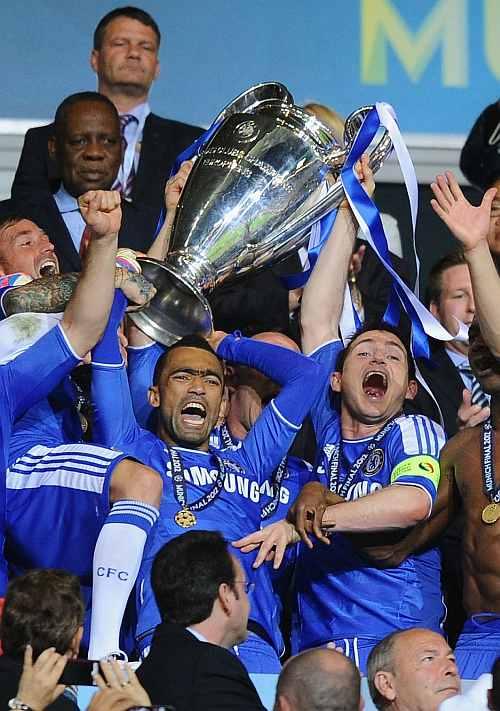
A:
x: 17, y: 704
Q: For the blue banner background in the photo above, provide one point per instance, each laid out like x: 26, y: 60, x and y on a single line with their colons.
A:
x: 441, y: 57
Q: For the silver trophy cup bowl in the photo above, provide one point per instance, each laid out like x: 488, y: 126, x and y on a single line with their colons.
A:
x: 252, y: 196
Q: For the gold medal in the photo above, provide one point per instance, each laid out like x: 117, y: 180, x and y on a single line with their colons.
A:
x: 185, y: 518
x: 491, y: 513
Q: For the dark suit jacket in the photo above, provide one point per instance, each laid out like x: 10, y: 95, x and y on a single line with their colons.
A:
x: 255, y: 302
x: 162, y: 141
x: 10, y: 674
x: 195, y: 676
x: 137, y: 230
x: 444, y: 380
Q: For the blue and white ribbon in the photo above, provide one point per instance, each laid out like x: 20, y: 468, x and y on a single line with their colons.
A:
x: 422, y: 322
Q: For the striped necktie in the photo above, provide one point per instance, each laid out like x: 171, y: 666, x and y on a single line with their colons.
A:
x: 124, y: 185
x: 478, y: 396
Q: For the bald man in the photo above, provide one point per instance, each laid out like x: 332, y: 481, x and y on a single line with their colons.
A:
x: 412, y: 670
x: 319, y: 680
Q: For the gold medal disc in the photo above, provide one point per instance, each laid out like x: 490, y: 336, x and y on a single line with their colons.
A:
x: 491, y: 513
x: 185, y: 518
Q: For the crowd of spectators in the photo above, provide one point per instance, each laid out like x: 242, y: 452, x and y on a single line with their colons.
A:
x: 335, y: 491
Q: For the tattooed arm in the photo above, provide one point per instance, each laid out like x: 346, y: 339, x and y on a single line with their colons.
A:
x: 51, y: 294
x: 45, y: 295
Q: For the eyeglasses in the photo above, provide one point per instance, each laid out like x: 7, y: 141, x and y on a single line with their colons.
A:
x: 248, y: 587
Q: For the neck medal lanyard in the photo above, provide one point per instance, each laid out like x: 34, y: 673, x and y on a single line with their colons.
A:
x: 226, y: 437
x: 276, y: 480
x: 491, y: 512
x: 337, y: 455
x: 185, y: 517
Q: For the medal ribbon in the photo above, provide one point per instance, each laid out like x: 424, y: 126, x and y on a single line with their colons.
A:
x: 226, y: 437
x: 180, y: 483
x: 337, y: 455
x: 490, y: 487
x: 277, y: 480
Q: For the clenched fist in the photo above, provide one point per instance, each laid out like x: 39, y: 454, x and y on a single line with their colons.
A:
x: 101, y: 210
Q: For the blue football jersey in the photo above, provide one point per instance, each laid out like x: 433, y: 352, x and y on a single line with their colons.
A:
x: 23, y: 381
x: 52, y: 421
x: 236, y: 511
x: 140, y: 369
x: 339, y: 593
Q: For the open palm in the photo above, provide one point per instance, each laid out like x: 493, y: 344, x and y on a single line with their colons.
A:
x: 468, y: 224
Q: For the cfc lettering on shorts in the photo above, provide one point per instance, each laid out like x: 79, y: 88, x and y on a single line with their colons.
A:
x: 103, y: 572
x: 422, y: 466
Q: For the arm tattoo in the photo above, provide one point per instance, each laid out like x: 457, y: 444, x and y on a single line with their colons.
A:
x: 45, y: 295
x: 141, y: 284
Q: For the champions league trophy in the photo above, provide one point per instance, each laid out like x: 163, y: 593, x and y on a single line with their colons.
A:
x: 256, y: 188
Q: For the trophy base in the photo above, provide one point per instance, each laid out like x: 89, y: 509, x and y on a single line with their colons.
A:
x: 178, y: 309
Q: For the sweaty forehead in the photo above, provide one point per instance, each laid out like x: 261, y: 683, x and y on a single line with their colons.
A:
x: 194, y: 359
x: 378, y: 338
x: 11, y: 230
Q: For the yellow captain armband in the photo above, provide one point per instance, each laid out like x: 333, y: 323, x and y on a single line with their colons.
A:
x: 420, y: 466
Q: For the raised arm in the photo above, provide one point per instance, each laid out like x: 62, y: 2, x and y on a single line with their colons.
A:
x: 114, y: 423
x: 87, y: 312
x: 323, y: 295
x: 159, y: 248
x: 470, y: 226
x: 173, y: 189
x: 302, y: 380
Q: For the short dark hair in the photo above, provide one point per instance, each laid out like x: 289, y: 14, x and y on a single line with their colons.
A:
x: 78, y: 98
x: 43, y: 608
x: 495, y: 691
x: 307, y: 682
x: 189, y: 341
x: 435, y: 279
x: 133, y: 13
x: 378, y: 326
x: 187, y: 573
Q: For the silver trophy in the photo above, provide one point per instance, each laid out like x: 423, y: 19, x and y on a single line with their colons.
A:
x: 254, y: 192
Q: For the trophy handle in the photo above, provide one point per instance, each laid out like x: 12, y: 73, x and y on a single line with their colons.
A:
x: 300, y: 225
x: 352, y: 125
x: 266, y: 93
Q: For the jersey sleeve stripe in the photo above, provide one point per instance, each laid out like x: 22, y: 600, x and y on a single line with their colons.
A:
x: 409, y: 435
x: 419, y: 486
x: 283, y: 419
x: 109, y: 365
x: 61, y: 477
x: 426, y: 433
x: 68, y: 344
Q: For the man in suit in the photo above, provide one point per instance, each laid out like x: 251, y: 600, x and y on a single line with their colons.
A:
x: 43, y: 608
x: 125, y: 59
x: 450, y: 299
x: 87, y: 149
x: 201, y: 592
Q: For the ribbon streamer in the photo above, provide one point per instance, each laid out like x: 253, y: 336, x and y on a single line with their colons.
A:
x: 423, y: 324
